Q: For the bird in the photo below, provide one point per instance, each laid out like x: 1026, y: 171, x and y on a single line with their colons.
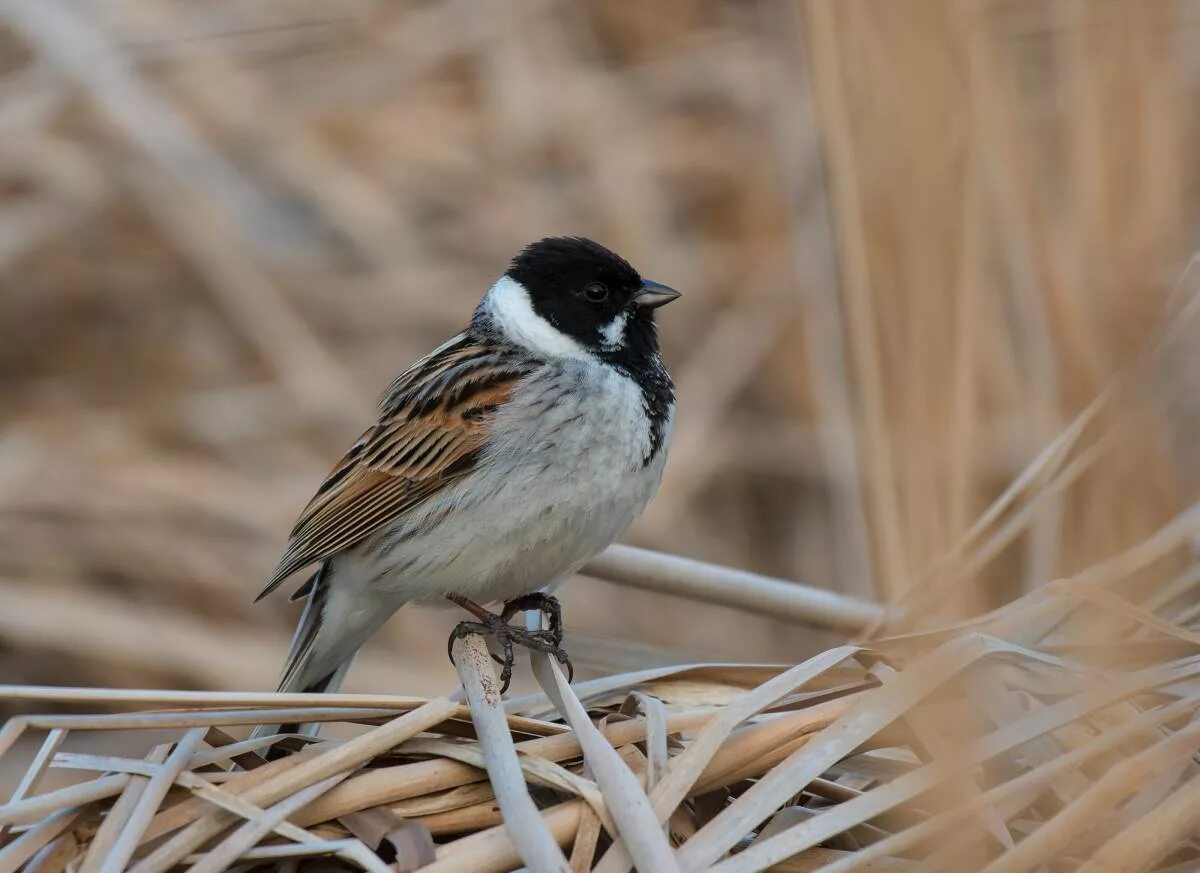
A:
x: 498, y: 465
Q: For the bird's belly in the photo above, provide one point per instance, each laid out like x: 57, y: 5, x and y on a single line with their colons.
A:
x: 525, y: 535
x: 530, y: 515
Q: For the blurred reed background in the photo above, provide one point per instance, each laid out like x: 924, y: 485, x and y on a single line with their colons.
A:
x: 916, y: 239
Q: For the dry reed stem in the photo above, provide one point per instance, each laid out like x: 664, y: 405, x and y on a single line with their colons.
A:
x: 224, y: 854
x: 114, y: 823
x: 697, y: 580
x: 38, y: 767
x: 892, y: 567
x: 494, y: 851
x: 535, y: 843
x: 151, y: 797
x: 29, y: 843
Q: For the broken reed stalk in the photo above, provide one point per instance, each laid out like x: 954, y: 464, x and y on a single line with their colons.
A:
x: 535, y: 843
x: 738, y: 589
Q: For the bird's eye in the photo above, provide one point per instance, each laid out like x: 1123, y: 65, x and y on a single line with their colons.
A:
x: 596, y: 292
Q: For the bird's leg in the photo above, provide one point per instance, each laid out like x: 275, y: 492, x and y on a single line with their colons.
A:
x: 493, y: 625
x: 480, y: 612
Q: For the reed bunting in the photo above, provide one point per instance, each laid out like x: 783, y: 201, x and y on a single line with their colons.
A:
x: 500, y: 463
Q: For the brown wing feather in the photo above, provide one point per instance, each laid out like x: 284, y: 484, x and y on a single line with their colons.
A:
x: 433, y: 428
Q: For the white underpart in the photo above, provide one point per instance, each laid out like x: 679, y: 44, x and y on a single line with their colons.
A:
x: 612, y: 335
x: 565, y: 475
x: 512, y: 311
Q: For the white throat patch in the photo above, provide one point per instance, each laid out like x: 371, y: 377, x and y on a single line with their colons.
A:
x: 612, y: 335
x: 512, y: 312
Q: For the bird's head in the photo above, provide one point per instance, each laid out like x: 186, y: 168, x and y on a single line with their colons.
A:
x: 570, y: 296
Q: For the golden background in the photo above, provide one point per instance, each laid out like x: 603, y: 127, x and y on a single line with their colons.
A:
x: 915, y: 239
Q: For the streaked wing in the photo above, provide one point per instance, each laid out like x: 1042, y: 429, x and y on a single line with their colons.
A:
x: 434, y: 426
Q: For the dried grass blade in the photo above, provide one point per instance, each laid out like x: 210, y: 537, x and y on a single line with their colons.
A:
x: 875, y: 709
x: 493, y: 850
x: 1149, y: 839
x: 538, y: 702
x: 538, y: 770
x: 31, y: 842
x: 55, y: 855
x: 188, y: 811
x: 228, y: 699
x: 656, y: 738
x: 229, y: 752
x: 235, y: 701
x: 152, y: 796
x: 386, y: 785
x: 1119, y: 782
x: 583, y: 848
x: 1117, y: 606
x: 345, y: 848
x: 120, y: 812
x: 925, y: 729
x: 223, y: 855
x: 753, y: 750
x: 239, y: 807
x: 33, y: 808
x: 37, y: 767
x: 392, y: 784
x: 448, y: 800
x: 105, y: 764
x: 637, y: 823
x: 203, y: 718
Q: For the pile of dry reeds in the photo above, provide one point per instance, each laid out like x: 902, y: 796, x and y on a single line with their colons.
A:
x: 1002, y: 745
x: 913, y: 247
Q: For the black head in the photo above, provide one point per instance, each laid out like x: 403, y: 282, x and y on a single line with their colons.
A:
x: 589, y: 293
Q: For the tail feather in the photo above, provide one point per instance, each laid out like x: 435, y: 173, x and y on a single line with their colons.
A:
x: 303, y: 671
x: 336, y: 620
x: 297, y: 669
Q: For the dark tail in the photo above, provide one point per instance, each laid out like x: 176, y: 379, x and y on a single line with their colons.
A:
x: 303, y: 670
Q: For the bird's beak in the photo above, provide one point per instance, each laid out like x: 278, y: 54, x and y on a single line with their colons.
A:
x: 652, y: 295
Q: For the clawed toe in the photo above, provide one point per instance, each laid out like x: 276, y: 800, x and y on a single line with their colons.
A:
x: 508, y: 637
x: 561, y: 657
x: 496, y: 626
x: 544, y: 603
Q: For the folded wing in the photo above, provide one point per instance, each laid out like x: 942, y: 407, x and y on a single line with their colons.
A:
x: 435, y: 421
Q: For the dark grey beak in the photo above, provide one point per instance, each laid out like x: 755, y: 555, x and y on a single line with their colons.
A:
x: 654, y: 295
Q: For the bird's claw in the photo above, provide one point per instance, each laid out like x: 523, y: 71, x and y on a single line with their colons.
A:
x: 508, y: 636
x: 544, y: 603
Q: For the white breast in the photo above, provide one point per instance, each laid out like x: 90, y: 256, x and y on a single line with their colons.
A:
x: 565, y: 476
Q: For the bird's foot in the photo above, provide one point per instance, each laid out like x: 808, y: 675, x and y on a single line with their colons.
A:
x: 497, y: 627
x: 544, y: 603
